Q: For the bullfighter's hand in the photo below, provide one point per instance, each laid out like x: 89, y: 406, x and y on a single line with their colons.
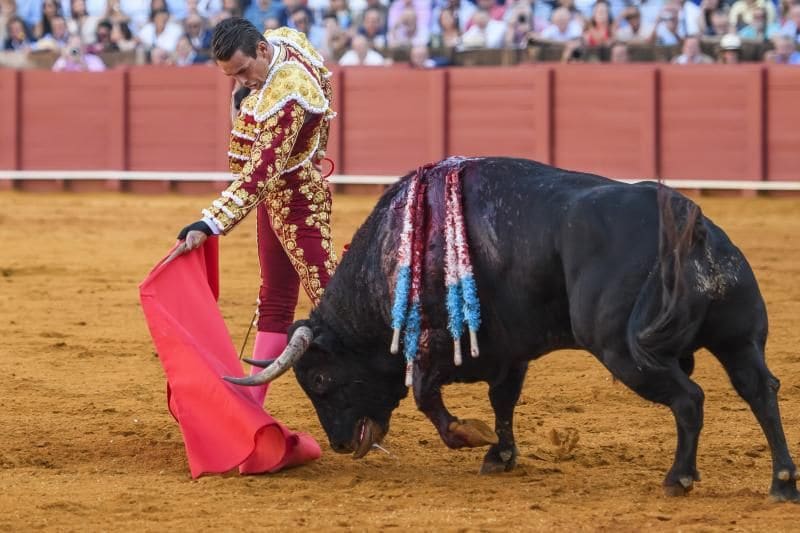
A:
x: 194, y: 239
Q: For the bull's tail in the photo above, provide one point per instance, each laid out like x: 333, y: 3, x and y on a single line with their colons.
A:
x: 660, y: 317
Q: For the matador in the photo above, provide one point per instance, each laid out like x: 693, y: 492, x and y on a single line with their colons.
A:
x: 278, y: 139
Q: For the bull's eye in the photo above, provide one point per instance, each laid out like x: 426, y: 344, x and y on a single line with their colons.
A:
x: 321, y: 383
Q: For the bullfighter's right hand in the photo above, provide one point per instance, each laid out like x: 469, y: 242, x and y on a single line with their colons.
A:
x: 193, y: 236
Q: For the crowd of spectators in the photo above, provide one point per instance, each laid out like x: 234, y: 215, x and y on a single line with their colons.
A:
x: 362, y: 32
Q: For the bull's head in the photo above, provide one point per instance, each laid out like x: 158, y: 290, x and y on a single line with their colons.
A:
x: 354, y: 396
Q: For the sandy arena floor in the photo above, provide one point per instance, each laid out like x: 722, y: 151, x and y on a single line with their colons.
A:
x: 87, y: 444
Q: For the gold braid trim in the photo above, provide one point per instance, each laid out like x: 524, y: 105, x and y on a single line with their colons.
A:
x: 313, y: 188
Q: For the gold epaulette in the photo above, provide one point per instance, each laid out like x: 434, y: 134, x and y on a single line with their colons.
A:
x: 297, y: 40
x: 288, y: 80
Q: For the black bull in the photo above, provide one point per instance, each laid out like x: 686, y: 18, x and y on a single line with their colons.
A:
x: 634, y: 274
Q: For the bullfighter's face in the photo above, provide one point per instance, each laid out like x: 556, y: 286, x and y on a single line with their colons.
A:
x: 354, y: 396
x: 250, y: 72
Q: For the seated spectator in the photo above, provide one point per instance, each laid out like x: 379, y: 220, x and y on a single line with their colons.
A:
x: 373, y: 28
x: 599, y: 31
x: 563, y: 27
x: 361, y: 54
x: 303, y: 21
x: 410, y: 30
x: 103, y: 42
x: 634, y: 30
x: 195, y: 27
x: 205, y: 9
x: 122, y: 37
x: 689, y: 16
x: 376, y: 5
x: 691, y: 53
x: 523, y: 13
x: 667, y: 28
x: 50, y: 9
x: 495, y: 11
x: 420, y: 58
x: 707, y: 10
x: 406, y: 33
x: 57, y: 37
x: 8, y: 9
x: 336, y: 39
x: 135, y: 13
x: 741, y: 13
x: 758, y: 29
x: 485, y: 32
x: 160, y: 57
x: 185, y: 53
x: 19, y: 37
x: 74, y: 58
x: 272, y: 24
x: 160, y: 32
x: 81, y: 23
x: 730, y: 49
x: 260, y: 10
x: 649, y: 10
x: 720, y: 24
x: 792, y: 24
x: 784, y: 53
x: 342, y: 11
x: 449, y: 35
x: 518, y: 31
x: 619, y: 53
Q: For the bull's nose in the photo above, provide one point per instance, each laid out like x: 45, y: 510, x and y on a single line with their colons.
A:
x: 341, y: 447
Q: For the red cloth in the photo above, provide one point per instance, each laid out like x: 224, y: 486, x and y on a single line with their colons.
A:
x: 223, y: 426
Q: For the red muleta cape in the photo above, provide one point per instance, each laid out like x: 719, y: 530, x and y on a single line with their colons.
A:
x: 222, y: 424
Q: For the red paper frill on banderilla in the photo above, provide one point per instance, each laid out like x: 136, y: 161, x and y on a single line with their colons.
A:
x: 223, y: 426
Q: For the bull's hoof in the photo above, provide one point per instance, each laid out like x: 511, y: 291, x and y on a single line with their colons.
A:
x: 473, y: 433
x: 784, y: 487
x: 683, y: 487
x: 497, y: 461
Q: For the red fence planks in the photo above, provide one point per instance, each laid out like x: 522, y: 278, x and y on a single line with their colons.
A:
x: 9, y: 140
x: 501, y: 111
x: 394, y: 119
x: 68, y: 121
x: 605, y: 120
x: 711, y: 122
x: 783, y: 118
x: 174, y: 118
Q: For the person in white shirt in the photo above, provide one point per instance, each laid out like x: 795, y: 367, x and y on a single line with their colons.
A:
x: 563, y: 27
x: 160, y: 32
x: 692, y: 54
x: 361, y: 54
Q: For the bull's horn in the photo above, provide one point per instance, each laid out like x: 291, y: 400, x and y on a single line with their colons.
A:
x: 294, y: 350
x: 260, y: 363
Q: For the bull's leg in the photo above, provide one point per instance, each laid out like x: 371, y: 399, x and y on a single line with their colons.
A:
x: 502, y: 457
x: 673, y: 388
x: 455, y: 433
x: 759, y: 388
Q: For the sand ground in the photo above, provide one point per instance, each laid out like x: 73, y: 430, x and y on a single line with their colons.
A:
x: 87, y: 443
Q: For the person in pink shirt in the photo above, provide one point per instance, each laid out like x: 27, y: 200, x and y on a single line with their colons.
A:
x: 75, y: 59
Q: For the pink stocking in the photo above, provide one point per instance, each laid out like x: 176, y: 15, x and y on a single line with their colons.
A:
x: 269, y: 345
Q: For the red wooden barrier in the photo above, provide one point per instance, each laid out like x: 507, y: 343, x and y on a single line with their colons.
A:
x: 499, y: 111
x: 394, y: 119
x: 605, y: 120
x: 783, y: 123
x: 704, y: 122
x: 70, y: 121
x: 711, y: 122
x: 178, y: 119
x: 9, y: 140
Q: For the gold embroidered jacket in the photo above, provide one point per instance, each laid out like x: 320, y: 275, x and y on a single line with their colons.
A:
x: 279, y: 128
